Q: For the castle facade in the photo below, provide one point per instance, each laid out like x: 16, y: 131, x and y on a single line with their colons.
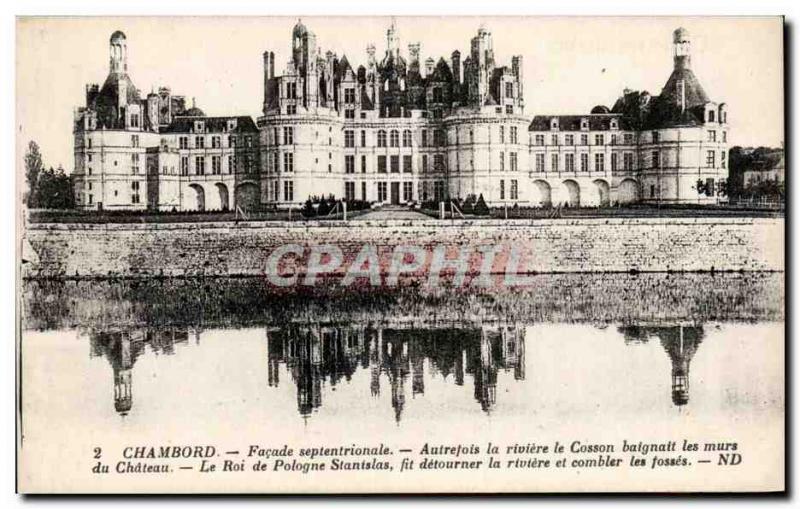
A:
x: 398, y: 130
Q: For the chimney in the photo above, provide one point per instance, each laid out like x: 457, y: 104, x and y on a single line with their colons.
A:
x: 456, y: 61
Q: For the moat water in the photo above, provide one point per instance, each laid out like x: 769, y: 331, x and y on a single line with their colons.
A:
x: 189, y: 356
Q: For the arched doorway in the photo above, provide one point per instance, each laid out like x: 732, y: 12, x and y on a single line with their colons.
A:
x: 628, y: 191
x: 224, y: 199
x: 572, y: 193
x: 199, y: 197
x: 544, y: 194
x: 603, y: 193
x: 247, y: 196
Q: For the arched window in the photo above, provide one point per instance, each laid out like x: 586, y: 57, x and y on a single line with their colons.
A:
x: 406, y: 138
x: 381, y: 138
x: 394, y: 138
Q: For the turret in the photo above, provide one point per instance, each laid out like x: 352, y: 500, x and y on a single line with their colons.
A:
x: 682, y: 49
x: 118, y: 51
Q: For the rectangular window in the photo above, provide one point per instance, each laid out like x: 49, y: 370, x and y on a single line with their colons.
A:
x: 599, y: 139
x: 291, y: 109
x: 288, y: 190
x: 502, y: 134
x: 408, y: 191
x: 349, y: 191
x: 502, y: 189
x: 424, y: 162
x: 627, y: 161
x: 514, y: 190
x: 722, y: 159
x: 216, y: 165
x: 438, y: 162
x: 199, y: 142
x: 655, y: 136
x: 199, y: 165
x: 502, y: 161
x: 406, y: 138
x: 569, y: 162
x: 724, y: 137
x: 438, y: 190
x: 599, y: 162
x: 569, y: 139
x: 394, y: 161
x: 655, y: 160
x: 135, y: 163
x: 288, y: 135
x: 363, y: 164
x: 512, y: 159
x: 406, y: 164
x: 350, y: 95
x: 513, y: 134
x: 584, y: 162
x: 184, y: 166
x: 381, y: 138
x: 613, y: 139
x: 215, y: 142
x: 710, y: 159
x: 509, y: 109
x: 614, y: 157
x: 539, y: 139
x: 539, y: 162
x: 288, y: 162
x: 349, y: 139
x: 135, y: 140
x: 291, y: 90
x: 509, y: 90
x: 554, y: 162
x: 381, y: 164
x: 712, y: 135
x: 424, y: 137
x: 554, y: 139
x: 363, y: 138
x: 710, y: 187
x: 364, y: 191
x: 628, y: 139
x: 271, y: 163
x: 584, y: 139
x: 349, y: 164
x: 381, y: 191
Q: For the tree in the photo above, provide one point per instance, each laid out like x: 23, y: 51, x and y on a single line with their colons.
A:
x: 33, y: 168
x: 481, y: 209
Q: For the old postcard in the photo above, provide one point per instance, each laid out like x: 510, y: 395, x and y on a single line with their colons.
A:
x: 400, y: 254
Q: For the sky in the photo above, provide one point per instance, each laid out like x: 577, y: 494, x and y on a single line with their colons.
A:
x: 570, y: 63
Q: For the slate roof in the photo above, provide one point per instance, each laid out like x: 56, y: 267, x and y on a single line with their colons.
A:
x: 597, y: 122
x: 184, y: 124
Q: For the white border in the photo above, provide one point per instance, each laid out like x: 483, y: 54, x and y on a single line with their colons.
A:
x: 9, y: 11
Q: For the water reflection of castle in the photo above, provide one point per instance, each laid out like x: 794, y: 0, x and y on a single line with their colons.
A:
x: 681, y: 343
x: 123, y: 347
x: 315, y: 355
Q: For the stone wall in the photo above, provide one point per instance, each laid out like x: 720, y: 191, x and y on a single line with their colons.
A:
x: 542, y: 246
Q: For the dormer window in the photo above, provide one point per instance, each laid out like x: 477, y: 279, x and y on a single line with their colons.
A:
x: 199, y: 126
x: 554, y: 123
x: 614, y: 123
x: 232, y: 125
x: 584, y: 124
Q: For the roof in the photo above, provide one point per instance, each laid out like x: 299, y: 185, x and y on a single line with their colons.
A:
x: 597, y: 122
x: 693, y: 91
x: 117, y: 36
x: 184, y: 124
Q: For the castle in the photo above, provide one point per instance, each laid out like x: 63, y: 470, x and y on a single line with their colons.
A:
x: 396, y: 130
